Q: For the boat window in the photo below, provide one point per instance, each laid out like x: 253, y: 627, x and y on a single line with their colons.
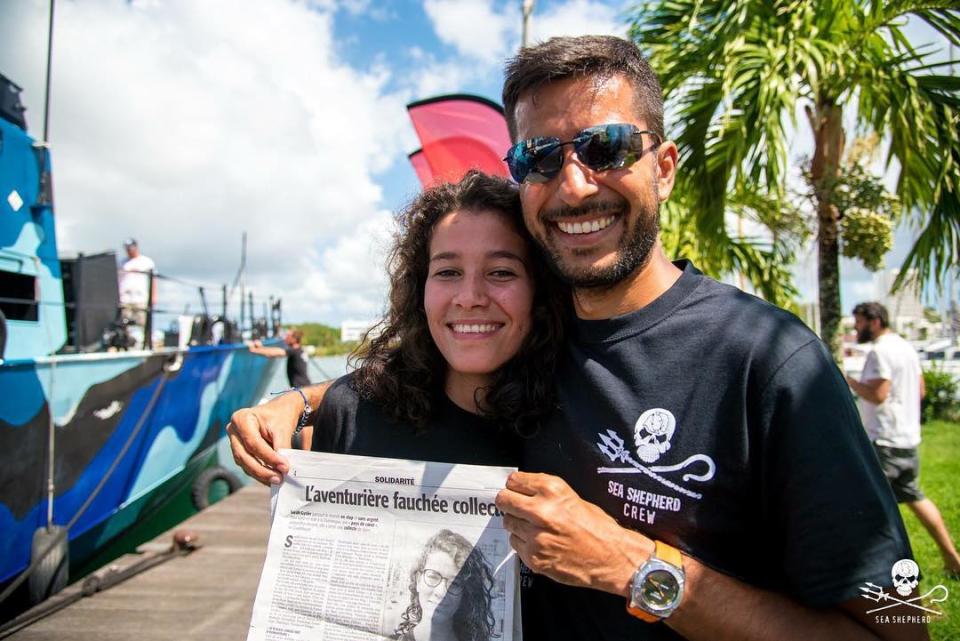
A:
x: 18, y: 296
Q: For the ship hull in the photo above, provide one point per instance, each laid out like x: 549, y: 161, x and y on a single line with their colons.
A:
x: 129, y: 430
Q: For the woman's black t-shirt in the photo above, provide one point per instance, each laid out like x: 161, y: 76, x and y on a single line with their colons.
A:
x: 348, y: 424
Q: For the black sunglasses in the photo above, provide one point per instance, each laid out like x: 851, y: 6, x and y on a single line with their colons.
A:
x: 603, y: 147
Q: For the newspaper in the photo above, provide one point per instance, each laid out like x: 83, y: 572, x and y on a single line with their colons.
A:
x: 368, y: 548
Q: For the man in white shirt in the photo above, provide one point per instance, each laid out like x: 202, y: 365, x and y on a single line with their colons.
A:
x: 135, y: 282
x: 890, y: 390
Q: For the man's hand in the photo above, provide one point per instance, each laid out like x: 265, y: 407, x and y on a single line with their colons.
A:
x: 558, y: 534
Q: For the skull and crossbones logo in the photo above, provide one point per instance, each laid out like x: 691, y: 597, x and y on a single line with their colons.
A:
x: 652, y: 434
x: 905, y: 574
x: 906, y: 577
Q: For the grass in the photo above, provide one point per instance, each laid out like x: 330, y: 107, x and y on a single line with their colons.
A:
x: 940, y: 481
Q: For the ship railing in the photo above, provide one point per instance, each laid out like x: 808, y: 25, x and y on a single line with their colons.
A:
x: 179, y: 314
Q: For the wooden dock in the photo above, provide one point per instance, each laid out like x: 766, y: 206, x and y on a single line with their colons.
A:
x: 204, y: 595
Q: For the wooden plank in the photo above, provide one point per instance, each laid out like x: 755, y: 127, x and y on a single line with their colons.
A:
x: 203, y: 596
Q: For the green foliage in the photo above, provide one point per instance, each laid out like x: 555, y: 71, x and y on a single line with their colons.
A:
x: 865, y: 207
x: 856, y: 187
x: 336, y: 350
x: 764, y: 262
x: 735, y: 73
x: 318, y: 334
x: 867, y: 236
x: 941, y: 401
x: 326, y: 339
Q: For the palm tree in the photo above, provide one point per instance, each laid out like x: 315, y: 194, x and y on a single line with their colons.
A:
x: 736, y: 73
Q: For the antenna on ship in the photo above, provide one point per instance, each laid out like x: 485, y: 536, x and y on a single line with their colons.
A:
x: 45, y: 197
x: 46, y: 97
x: 241, y: 277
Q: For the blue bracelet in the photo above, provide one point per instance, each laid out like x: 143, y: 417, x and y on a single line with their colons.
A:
x: 307, y: 410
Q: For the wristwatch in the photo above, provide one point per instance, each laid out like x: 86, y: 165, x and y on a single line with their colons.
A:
x: 657, y: 586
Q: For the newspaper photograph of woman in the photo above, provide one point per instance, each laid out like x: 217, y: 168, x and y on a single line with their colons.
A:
x: 451, y: 590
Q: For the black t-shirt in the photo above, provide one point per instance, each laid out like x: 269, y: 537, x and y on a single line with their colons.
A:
x: 296, y: 367
x: 347, y: 424
x: 719, y: 424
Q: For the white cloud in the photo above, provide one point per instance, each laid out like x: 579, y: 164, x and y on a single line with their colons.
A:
x: 475, y: 28
x: 184, y: 123
x: 367, y: 9
x: 487, y: 31
x: 484, y: 33
x: 339, y: 282
x: 577, y: 18
x: 435, y: 77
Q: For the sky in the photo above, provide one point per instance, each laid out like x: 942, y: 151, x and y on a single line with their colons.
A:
x: 184, y: 123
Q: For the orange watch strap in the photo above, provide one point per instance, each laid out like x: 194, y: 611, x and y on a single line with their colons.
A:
x: 669, y: 554
x: 666, y: 553
x: 643, y: 615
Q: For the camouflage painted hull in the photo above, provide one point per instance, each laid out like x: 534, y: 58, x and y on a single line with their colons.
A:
x: 123, y: 420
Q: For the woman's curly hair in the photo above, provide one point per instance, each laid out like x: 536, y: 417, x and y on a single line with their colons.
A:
x: 400, y: 367
x: 473, y: 620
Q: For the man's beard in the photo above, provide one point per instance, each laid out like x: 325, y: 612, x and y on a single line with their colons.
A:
x: 633, y: 252
x: 865, y: 335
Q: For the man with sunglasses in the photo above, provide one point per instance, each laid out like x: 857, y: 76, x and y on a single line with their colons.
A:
x: 707, y: 465
x: 706, y: 476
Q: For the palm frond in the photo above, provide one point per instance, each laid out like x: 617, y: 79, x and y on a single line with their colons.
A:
x: 763, y: 263
x: 735, y: 71
x: 934, y: 254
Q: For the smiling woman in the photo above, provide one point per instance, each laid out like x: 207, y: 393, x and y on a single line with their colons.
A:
x: 457, y: 370
x: 478, y: 298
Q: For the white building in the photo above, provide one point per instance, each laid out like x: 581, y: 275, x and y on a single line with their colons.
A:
x: 354, y: 330
x: 904, y: 306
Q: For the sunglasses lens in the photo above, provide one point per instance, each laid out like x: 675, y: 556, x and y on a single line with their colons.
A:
x: 518, y: 160
x: 547, y: 161
x: 604, y: 147
x: 600, y: 148
x: 536, y: 160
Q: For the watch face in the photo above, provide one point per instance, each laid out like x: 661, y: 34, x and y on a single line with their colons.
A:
x: 659, y: 590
